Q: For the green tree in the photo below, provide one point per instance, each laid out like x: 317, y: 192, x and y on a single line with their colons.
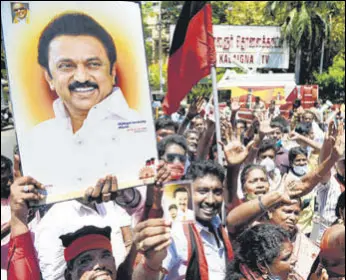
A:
x: 154, y: 76
x: 337, y: 21
x: 304, y: 24
x: 332, y: 83
x: 240, y: 13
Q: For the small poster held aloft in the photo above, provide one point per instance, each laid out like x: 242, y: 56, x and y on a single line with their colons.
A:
x: 80, y: 93
x: 178, y: 202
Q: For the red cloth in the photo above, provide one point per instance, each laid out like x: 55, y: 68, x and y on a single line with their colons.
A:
x: 234, y: 204
x: 192, y: 52
x: 202, y: 261
x: 22, y: 260
x: 86, y: 243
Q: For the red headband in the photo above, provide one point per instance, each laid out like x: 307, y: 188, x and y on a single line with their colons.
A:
x: 86, y: 243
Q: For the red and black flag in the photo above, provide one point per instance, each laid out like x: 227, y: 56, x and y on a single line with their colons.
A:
x: 192, y: 52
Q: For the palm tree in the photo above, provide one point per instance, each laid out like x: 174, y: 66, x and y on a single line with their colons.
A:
x: 304, y: 23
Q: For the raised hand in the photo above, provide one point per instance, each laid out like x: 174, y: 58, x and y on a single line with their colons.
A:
x: 195, y: 107
x: 152, y: 238
x: 293, y: 188
x: 23, y: 191
x: 339, y: 147
x: 235, y: 106
x: 265, y: 128
x: 235, y: 152
x: 332, y: 133
x: 294, y: 136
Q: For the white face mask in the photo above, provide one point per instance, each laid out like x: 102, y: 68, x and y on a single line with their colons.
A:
x: 269, y: 164
x: 300, y: 170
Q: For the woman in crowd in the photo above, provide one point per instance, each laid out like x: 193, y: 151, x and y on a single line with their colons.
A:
x: 305, y: 251
x: 270, y: 255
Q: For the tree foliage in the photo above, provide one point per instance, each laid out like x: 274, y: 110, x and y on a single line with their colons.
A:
x: 332, y: 82
x: 154, y: 76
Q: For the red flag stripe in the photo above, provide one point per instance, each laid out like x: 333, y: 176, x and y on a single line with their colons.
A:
x: 192, y: 61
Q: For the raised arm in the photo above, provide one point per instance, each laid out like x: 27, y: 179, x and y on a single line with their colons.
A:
x: 294, y: 136
x: 235, y: 154
x: 194, y: 109
x: 23, y: 263
x: 264, y: 130
x: 205, y: 141
x: 327, y: 147
x: 245, y: 214
x: 152, y: 239
x: 311, y: 180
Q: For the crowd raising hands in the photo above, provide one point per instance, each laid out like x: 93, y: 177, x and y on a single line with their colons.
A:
x: 274, y: 208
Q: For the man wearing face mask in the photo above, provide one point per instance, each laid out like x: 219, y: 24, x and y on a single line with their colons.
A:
x: 298, y: 158
x: 299, y: 168
x: 266, y: 158
x: 304, y: 137
x: 173, y: 150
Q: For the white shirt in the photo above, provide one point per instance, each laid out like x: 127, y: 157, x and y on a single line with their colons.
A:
x: 54, y: 155
x: 176, y: 261
x: 189, y: 215
x: 68, y: 217
x: 327, y: 199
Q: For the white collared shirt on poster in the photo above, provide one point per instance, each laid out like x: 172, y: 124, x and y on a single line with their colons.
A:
x: 176, y: 261
x: 54, y: 155
x: 68, y: 217
x: 188, y: 215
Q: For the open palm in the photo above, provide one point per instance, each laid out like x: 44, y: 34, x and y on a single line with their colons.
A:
x: 235, y: 152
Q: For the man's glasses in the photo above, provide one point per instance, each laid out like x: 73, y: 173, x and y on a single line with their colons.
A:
x: 170, y: 158
x: 19, y: 9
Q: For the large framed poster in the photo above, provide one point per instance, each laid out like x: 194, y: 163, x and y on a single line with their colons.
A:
x: 80, y: 93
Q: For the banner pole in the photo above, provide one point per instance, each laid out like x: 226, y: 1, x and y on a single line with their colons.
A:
x: 217, y: 115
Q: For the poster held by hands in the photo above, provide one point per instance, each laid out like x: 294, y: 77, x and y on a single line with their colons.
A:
x: 80, y: 94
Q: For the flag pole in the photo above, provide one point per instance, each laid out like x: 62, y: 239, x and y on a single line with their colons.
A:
x: 217, y: 115
x: 218, y: 131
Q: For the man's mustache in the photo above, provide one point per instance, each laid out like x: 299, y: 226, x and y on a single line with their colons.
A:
x: 87, y: 84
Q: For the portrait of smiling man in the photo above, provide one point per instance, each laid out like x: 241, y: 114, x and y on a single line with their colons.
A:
x: 87, y: 139
x: 20, y: 13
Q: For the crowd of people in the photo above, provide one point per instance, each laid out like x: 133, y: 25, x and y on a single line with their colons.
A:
x: 270, y: 206
x: 275, y: 208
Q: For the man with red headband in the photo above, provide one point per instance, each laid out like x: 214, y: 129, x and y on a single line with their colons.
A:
x: 88, y: 254
x: 88, y: 251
